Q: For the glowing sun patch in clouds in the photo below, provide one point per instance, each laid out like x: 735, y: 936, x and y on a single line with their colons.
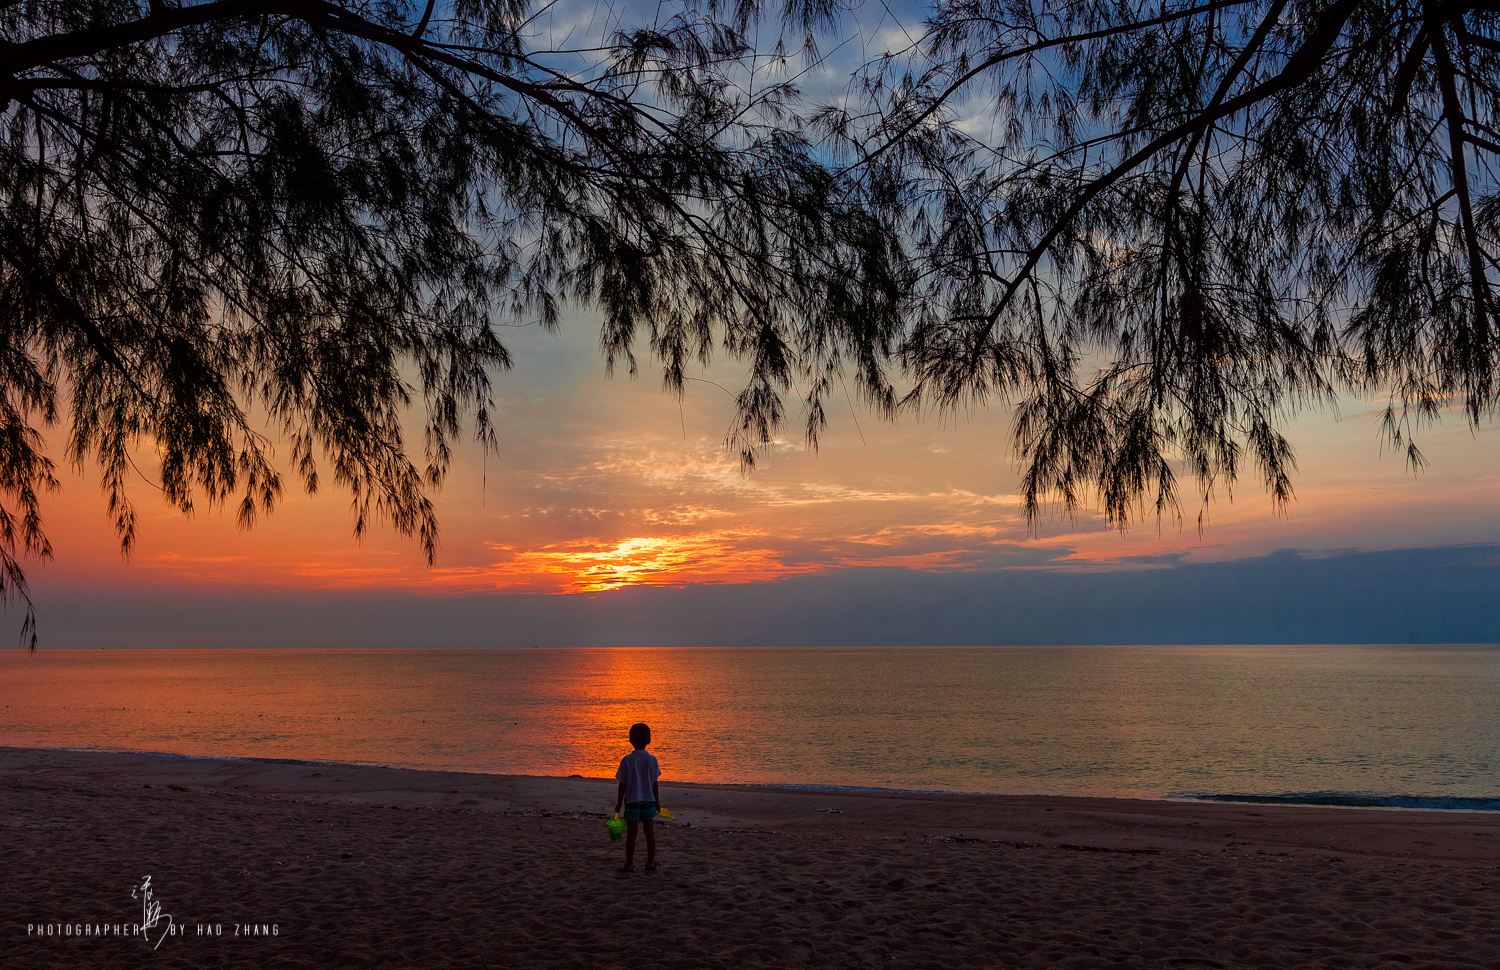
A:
x: 591, y: 567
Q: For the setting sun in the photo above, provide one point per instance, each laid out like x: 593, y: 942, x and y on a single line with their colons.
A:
x: 590, y: 567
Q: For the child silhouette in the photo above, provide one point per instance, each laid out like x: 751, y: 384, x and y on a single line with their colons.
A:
x: 637, y: 777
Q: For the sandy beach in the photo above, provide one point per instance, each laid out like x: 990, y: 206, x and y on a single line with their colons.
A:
x: 276, y: 864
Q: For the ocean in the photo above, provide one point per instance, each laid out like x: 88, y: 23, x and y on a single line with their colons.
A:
x: 1411, y: 726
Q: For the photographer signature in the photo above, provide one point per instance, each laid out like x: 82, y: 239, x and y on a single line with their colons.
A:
x: 151, y: 914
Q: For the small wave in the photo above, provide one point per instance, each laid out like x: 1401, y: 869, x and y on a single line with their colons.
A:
x: 311, y: 762
x: 851, y: 789
x: 1344, y: 799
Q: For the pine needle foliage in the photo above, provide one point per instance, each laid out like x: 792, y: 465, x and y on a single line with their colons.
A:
x: 1160, y: 227
x: 234, y: 222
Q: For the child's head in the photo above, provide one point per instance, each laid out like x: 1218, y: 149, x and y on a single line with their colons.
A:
x: 640, y: 735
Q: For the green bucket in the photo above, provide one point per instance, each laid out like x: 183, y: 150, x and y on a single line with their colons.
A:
x: 616, y: 826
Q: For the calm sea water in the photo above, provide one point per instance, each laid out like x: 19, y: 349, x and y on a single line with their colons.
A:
x: 1372, y: 725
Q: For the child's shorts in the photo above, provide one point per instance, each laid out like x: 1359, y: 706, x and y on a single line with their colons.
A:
x: 640, y: 811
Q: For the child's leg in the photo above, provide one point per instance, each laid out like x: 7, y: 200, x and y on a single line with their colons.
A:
x: 630, y: 825
x: 650, y: 842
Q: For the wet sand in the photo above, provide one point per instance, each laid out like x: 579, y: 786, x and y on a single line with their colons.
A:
x: 356, y: 866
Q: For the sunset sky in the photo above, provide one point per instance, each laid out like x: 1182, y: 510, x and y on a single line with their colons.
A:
x: 606, y: 489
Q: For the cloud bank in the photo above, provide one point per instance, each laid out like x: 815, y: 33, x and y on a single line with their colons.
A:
x: 1434, y: 595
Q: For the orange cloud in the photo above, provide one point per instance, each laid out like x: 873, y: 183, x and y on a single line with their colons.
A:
x: 743, y: 555
x: 591, y: 566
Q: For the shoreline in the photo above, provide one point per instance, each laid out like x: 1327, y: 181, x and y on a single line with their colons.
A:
x: 1355, y: 801
x: 1444, y: 836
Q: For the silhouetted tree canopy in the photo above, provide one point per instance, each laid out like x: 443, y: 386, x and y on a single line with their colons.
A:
x: 318, y: 211
x: 1160, y: 228
x: 1155, y: 229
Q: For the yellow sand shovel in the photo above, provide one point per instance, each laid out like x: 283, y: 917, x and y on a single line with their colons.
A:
x: 665, y: 813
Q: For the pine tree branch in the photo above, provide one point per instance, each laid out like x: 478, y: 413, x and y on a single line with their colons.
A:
x: 1453, y: 112
x: 995, y: 60
x: 1298, y: 69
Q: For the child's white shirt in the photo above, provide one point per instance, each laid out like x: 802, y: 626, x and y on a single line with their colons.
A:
x: 638, y: 770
